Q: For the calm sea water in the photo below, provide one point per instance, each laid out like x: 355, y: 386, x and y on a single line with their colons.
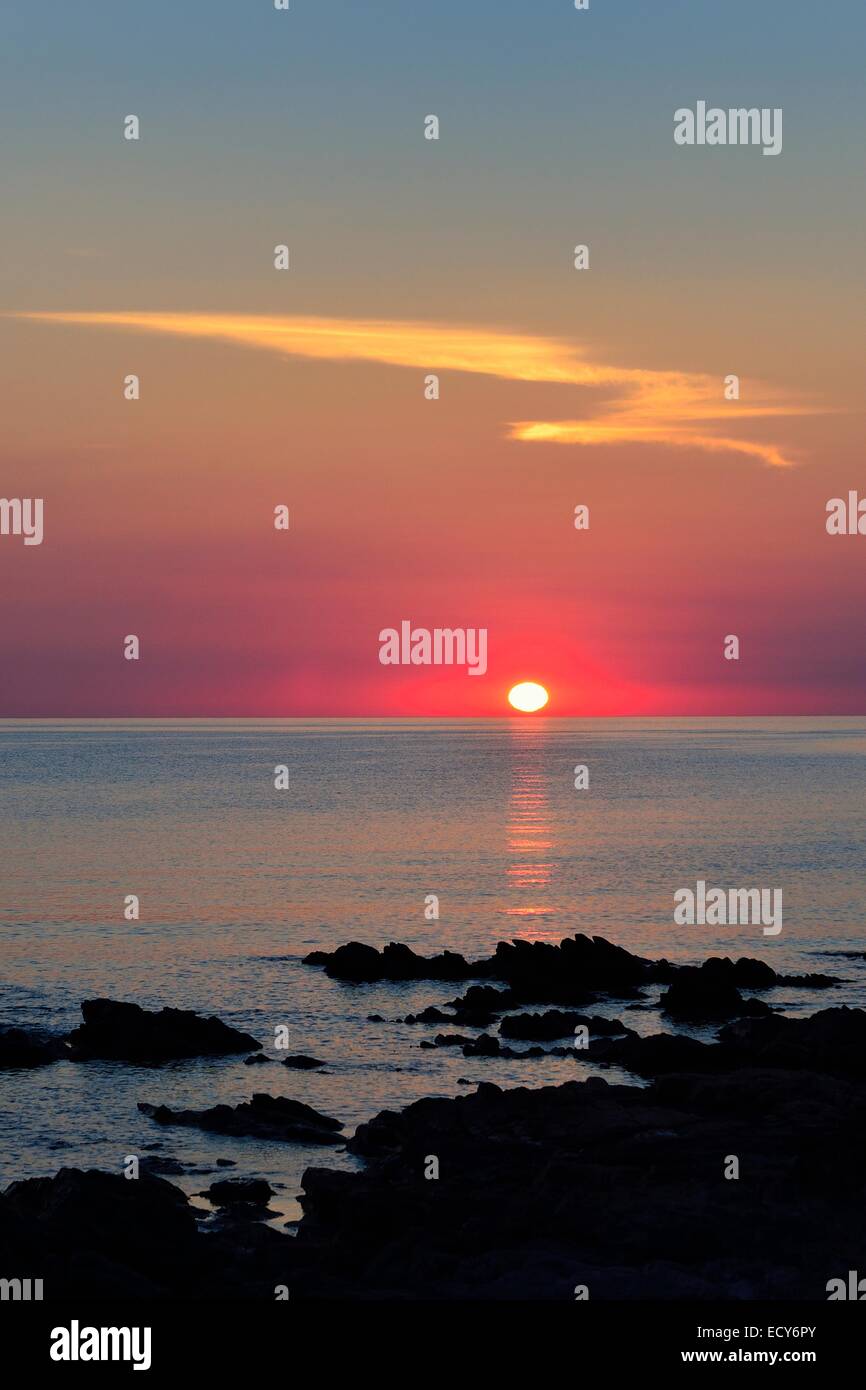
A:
x: 237, y: 881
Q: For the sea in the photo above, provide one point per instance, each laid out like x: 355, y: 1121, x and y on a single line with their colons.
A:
x: 249, y: 843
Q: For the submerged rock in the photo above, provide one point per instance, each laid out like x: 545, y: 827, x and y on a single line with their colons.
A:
x: 128, y: 1033
x: 299, y: 1062
x: 263, y: 1117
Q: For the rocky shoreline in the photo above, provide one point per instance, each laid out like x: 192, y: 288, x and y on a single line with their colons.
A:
x: 731, y: 1168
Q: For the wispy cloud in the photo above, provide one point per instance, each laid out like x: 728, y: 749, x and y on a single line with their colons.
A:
x: 685, y: 409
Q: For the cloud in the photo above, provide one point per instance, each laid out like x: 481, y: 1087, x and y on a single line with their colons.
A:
x: 684, y: 409
x: 636, y: 432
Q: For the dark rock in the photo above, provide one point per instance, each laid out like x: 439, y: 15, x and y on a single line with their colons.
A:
x: 474, y: 1018
x: 429, y: 1015
x: 263, y: 1117
x: 848, y: 955
x: 20, y: 1048
x: 831, y: 1041
x: 570, y: 973
x: 661, y: 1053
x: 128, y: 1033
x: 534, y: 971
x: 229, y: 1191
x: 299, y: 1062
x: 94, y: 1235
x: 556, y: 1023
x: 709, y: 992
x: 753, y: 974
x: 256, y: 1060
x: 482, y: 1046
x: 157, y: 1166
x: 662, y: 972
x: 540, y: 1189
x: 226, y: 1163
x: 317, y: 958
x: 360, y: 964
x: 481, y: 1005
x: 122, y: 1221
x: 809, y: 981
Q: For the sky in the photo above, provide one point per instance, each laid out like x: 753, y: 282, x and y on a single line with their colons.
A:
x: 558, y: 387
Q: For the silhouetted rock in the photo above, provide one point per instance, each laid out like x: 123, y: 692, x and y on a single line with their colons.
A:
x: 111, y: 1232
x: 833, y: 1041
x: 752, y: 974
x: 572, y: 973
x: 710, y: 992
x: 360, y: 964
x: 156, y: 1166
x: 534, y: 970
x: 618, y: 1187
x: 809, y: 981
x: 20, y: 1048
x: 538, y: 1189
x: 230, y: 1191
x: 257, y: 1059
x: 263, y: 1117
x: 482, y: 1046
x: 661, y: 1053
x: 474, y: 1018
x: 126, y: 1032
x: 483, y: 999
x: 101, y: 1236
x: 298, y: 1061
x: 430, y: 1015
x: 557, y: 1023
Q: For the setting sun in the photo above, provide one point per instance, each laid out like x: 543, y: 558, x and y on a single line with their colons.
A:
x: 528, y: 697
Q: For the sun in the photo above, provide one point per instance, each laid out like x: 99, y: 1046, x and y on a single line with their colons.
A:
x: 528, y: 697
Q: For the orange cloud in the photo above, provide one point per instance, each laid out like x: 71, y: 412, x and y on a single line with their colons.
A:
x: 647, y: 406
